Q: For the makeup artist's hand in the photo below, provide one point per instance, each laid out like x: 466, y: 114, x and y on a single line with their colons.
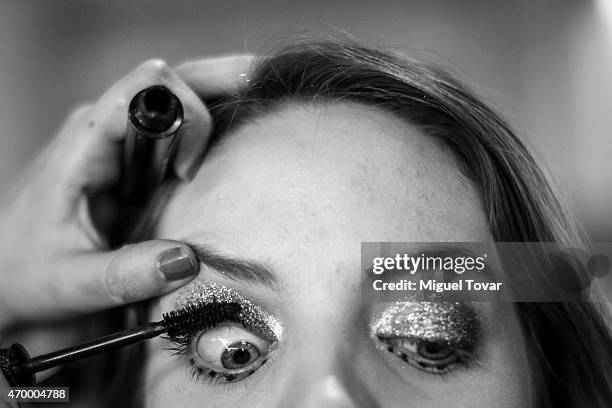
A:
x: 54, y: 262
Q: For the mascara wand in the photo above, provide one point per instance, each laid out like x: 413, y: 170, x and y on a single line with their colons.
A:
x: 19, y: 368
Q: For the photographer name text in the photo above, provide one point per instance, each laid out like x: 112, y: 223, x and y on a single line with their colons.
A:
x: 435, y: 286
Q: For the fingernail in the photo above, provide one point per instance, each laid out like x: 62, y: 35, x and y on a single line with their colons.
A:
x: 175, y: 264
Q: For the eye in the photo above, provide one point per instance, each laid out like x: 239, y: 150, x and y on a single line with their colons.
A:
x: 239, y: 355
x: 436, y: 357
x: 230, y: 352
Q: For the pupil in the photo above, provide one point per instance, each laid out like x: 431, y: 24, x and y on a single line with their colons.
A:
x: 433, y: 348
x: 241, y: 356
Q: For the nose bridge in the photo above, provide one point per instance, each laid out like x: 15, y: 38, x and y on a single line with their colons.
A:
x: 321, y: 362
x: 326, y: 391
x: 339, y: 389
x: 324, y: 375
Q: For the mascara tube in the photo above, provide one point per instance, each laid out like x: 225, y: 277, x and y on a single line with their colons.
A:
x: 155, y: 115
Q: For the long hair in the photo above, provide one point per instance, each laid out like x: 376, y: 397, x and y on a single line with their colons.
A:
x: 570, y: 344
x: 519, y: 203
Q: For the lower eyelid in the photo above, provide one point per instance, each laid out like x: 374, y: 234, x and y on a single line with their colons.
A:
x: 395, y: 356
x: 411, y: 356
x: 212, y: 374
x: 202, y: 374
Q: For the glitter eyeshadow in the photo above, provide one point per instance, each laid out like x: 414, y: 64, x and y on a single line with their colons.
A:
x: 253, y: 317
x: 450, y: 323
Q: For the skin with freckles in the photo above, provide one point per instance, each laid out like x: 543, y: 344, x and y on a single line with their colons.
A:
x: 298, y: 190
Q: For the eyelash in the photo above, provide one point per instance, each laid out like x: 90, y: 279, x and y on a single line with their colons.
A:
x: 181, y: 347
x: 203, y: 374
x: 463, y: 359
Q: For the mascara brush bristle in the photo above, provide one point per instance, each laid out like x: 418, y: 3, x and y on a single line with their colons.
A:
x: 195, y: 318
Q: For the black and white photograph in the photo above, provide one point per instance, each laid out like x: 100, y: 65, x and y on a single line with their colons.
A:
x: 306, y: 204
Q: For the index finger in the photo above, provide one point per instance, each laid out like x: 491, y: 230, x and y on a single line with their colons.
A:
x: 214, y: 77
x: 89, y: 154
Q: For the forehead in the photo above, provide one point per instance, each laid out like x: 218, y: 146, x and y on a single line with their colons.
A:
x: 326, y: 175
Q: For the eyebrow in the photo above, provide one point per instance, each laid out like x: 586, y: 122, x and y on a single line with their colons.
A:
x: 233, y: 268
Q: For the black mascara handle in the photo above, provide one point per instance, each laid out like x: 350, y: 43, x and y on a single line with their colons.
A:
x: 20, y: 368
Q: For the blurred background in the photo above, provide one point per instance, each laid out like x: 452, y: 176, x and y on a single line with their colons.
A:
x: 546, y: 64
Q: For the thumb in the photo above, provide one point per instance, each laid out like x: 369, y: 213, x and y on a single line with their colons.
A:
x: 130, y: 274
x: 93, y: 281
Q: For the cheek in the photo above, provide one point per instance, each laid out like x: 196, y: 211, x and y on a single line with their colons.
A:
x: 499, y: 377
x: 510, y: 376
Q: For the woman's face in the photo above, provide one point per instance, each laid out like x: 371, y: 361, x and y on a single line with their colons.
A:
x: 281, y: 208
